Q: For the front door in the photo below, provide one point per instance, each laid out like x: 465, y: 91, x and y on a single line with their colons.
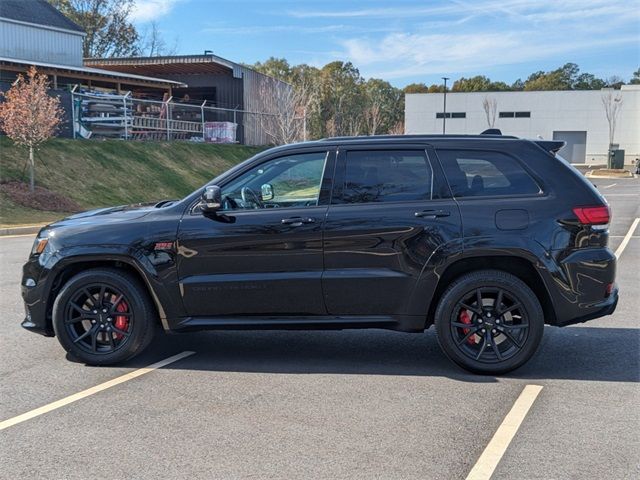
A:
x: 390, y: 216
x: 262, y: 252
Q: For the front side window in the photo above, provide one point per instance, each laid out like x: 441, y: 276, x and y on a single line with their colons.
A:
x: 474, y: 173
x: 291, y: 181
x: 386, y: 176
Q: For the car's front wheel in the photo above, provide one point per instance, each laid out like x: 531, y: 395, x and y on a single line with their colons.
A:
x: 489, y: 322
x: 103, y: 316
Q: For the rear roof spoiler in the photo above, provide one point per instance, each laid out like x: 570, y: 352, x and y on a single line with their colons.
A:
x: 550, y: 145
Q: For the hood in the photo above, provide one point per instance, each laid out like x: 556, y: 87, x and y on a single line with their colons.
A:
x: 108, y: 215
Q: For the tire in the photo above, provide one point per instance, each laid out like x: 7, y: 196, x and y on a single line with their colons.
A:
x: 493, y: 333
x: 104, y: 316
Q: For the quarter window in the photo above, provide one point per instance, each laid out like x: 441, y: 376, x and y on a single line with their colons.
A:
x: 386, y: 176
x: 485, y: 173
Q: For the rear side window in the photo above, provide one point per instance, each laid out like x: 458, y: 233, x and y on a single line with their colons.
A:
x: 475, y: 173
x: 386, y: 176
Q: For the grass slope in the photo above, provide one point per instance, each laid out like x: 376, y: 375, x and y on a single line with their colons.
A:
x: 103, y: 173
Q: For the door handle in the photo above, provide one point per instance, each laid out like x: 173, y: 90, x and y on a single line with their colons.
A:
x: 432, y: 213
x: 297, y: 221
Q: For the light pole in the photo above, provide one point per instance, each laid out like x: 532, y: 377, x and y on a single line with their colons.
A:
x: 444, y: 114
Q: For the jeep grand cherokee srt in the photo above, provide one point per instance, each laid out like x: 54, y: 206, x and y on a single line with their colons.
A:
x: 486, y: 237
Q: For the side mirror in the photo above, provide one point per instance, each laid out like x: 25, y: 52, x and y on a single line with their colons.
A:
x: 211, y: 199
x: 266, y: 192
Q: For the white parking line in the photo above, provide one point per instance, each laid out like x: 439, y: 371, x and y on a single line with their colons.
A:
x: 90, y: 391
x: 627, y: 237
x: 488, y: 461
x: 609, y: 186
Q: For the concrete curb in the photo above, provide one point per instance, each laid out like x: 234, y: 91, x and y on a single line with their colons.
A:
x: 20, y: 230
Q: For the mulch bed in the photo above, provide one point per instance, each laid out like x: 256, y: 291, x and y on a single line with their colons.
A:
x: 40, y: 199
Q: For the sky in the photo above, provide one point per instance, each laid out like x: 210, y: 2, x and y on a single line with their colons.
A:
x: 407, y: 41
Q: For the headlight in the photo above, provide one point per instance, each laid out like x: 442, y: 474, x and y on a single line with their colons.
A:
x: 39, y: 245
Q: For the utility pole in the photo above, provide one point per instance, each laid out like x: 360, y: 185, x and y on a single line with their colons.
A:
x: 444, y: 114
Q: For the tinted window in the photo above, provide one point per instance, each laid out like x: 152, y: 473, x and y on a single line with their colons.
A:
x: 480, y: 174
x: 290, y: 181
x: 386, y: 176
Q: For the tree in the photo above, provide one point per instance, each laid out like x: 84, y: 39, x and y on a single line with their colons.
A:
x: 612, y: 103
x: 416, y: 88
x: 587, y: 81
x: 384, y: 106
x: 287, y: 109
x: 153, y: 45
x: 567, y: 77
x: 614, y: 81
x: 479, y: 83
x: 490, y: 106
x: 275, y: 67
x: 635, y: 80
x: 342, y: 99
x: 29, y: 116
x: 109, y: 32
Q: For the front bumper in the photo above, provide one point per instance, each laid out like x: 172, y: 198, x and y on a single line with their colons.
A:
x: 37, y: 317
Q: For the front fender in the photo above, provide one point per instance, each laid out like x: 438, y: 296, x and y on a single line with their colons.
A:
x: 156, y: 269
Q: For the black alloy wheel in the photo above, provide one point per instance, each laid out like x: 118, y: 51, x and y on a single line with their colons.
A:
x: 104, y: 316
x: 98, y: 319
x: 489, y: 322
x: 489, y: 325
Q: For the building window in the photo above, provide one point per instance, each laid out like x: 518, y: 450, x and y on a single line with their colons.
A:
x: 452, y: 115
x: 515, y: 114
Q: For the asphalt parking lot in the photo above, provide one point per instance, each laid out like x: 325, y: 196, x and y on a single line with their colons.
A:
x: 350, y: 404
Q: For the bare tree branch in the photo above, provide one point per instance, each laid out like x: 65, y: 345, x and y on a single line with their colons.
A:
x: 490, y: 106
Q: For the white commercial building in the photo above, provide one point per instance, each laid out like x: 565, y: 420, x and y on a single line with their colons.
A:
x: 575, y: 116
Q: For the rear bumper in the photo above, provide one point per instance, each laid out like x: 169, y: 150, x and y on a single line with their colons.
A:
x: 584, y: 286
x: 601, y: 309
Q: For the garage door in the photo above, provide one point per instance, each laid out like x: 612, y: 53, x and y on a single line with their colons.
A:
x: 575, y: 151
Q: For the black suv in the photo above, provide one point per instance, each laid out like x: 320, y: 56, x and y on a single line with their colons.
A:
x: 488, y: 237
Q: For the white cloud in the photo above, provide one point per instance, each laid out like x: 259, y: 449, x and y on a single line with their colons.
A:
x: 401, y: 55
x: 148, y: 10
x: 296, y: 29
x: 484, y: 34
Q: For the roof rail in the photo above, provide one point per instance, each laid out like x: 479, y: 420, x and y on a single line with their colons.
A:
x: 492, y: 131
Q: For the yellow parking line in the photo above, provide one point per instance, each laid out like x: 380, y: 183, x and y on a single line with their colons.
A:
x: 488, y: 461
x: 18, y: 235
x: 90, y: 391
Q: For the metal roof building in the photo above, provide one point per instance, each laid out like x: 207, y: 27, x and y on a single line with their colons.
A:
x: 218, y: 81
x: 35, y: 33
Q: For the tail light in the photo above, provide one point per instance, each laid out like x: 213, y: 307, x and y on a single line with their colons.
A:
x: 596, y: 215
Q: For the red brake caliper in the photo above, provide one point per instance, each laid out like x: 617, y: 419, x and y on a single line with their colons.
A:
x: 121, y: 322
x: 465, y: 318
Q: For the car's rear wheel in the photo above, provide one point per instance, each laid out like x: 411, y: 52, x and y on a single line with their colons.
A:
x: 103, y: 316
x: 489, y: 322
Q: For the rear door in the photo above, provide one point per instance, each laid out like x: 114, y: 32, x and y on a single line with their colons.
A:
x: 390, y: 213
